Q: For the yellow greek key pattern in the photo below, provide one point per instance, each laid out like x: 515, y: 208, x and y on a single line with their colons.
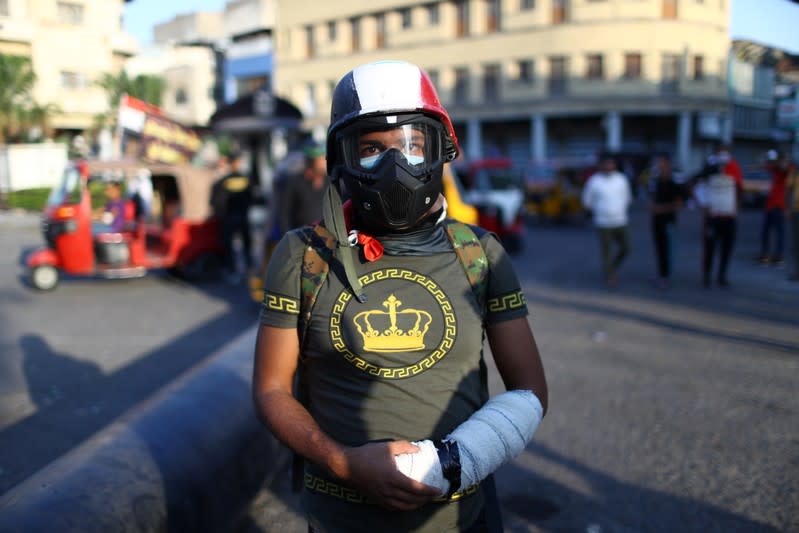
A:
x: 284, y: 304
x: 506, y: 302
x: 450, y: 326
x: 329, y: 488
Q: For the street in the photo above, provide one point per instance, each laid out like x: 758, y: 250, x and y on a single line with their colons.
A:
x: 669, y: 410
x: 76, y: 358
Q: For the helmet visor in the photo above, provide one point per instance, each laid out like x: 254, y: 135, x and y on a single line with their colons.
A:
x: 418, y: 139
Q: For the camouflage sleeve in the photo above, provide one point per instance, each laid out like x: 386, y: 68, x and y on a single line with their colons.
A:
x: 281, y: 304
x: 504, y: 296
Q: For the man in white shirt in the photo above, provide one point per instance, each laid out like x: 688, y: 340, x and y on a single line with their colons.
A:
x: 607, y: 195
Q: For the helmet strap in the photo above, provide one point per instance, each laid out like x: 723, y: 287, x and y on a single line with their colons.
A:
x: 333, y: 217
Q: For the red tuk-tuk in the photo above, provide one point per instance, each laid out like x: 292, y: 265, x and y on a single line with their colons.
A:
x: 178, y: 233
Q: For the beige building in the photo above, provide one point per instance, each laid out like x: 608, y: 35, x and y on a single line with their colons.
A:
x: 71, y: 43
x: 530, y: 79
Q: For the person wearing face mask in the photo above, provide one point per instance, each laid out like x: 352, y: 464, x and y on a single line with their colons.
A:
x: 718, y: 190
x: 377, y: 318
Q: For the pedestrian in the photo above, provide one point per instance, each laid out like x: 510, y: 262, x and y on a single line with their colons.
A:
x: 384, y: 327
x: 301, y: 199
x: 666, y: 199
x: 718, y: 190
x: 607, y: 196
x: 231, y: 198
x: 792, y: 204
x: 774, y: 216
x: 297, y: 194
x: 140, y: 192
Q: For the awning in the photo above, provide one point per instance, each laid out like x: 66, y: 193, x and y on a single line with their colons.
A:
x: 256, y: 112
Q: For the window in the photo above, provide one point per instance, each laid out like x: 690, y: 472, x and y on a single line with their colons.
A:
x: 461, y: 85
x: 3, y: 8
x: 558, y: 67
x: 669, y: 9
x: 433, y: 16
x: 309, y: 42
x: 632, y: 66
x: 355, y: 25
x: 559, y: 14
x: 405, y: 15
x: 380, y: 30
x: 670, y: 73
x: 250, y: 85
x: 181, y: 97
x: 331, y: 31
x: 494, y: 13
x: 69, y: 12
x: 526, y: 71
x: 699, y: 67
x: 491, y: 83
x: 73, y: 80
x: 526, y: 5
x: 594, y: 67
x: 462, y: 7
x: 310, y: 99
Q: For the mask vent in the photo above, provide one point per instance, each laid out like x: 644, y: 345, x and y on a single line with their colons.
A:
x: 397, y: 202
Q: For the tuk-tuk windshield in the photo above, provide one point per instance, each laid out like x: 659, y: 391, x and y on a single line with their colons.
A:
x: 68, y: 190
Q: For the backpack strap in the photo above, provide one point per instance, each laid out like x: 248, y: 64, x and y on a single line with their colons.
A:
x: 319, y: 247
x: 471, y: 256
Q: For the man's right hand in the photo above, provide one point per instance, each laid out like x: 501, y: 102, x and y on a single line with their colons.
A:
x: 373, y: 471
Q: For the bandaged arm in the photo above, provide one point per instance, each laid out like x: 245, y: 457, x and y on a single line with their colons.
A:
x: 492, y: 436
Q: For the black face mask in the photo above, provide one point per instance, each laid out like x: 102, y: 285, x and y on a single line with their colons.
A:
x: 394, y: 197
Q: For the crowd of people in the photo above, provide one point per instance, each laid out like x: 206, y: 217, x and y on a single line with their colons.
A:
x: 717, y: 189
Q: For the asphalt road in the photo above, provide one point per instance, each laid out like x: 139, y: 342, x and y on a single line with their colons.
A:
x: 74, y: 359
x: 669, y: 410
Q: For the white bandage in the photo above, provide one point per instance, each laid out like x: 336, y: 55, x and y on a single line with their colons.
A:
x: 423, y: 466
x: 493, y: 435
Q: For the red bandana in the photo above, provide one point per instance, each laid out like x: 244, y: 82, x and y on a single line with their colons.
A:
x: 372, y: 248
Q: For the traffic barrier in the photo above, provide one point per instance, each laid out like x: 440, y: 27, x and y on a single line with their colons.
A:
x: 191, y: 458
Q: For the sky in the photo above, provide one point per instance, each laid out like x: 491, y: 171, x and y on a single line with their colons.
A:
x: 770, y: 22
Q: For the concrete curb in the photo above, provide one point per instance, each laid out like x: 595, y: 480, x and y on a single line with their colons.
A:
x: 189, y: 459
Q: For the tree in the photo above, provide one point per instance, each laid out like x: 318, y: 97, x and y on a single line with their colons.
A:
x: 144, y: 87
x: 16, y: 81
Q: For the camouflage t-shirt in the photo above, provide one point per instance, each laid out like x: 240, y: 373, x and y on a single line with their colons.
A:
x: 405, y: 364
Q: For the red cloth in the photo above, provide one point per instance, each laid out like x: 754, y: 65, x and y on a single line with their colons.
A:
x: 776, y: 193
x: 372, y: 248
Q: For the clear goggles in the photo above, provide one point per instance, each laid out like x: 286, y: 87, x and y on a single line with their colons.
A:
x: 418, y: 139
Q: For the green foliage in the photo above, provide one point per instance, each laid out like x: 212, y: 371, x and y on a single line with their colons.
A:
x: 144, y: 87
x: 28, y: 199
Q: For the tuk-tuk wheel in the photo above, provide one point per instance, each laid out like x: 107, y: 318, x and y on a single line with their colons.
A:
x: 44, y: 277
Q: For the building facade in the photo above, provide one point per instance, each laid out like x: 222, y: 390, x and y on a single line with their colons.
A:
x: 248, y: 25
x: 533, y: 80
x: 71, y: 44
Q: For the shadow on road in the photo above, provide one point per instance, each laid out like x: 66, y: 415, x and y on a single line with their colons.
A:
x: 611, y: 504
x: 82, y: 400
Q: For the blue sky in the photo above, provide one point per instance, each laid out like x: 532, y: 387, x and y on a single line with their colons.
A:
x: 771, y: 22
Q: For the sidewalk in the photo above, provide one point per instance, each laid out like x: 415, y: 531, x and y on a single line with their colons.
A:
x: 19, y: 218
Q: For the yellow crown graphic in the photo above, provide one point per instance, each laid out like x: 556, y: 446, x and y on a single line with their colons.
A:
x: 393, y: 330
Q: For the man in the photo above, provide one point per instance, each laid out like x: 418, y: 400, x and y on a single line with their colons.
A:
x: 298, y: 195
x: 773, y: 219
x: 607, y: 195
x: 793, y: 208
x: 301, y: 199
x: 666, y: 200
x: 231, y: 198
x: 388, y: 343
x: 718, y: 190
